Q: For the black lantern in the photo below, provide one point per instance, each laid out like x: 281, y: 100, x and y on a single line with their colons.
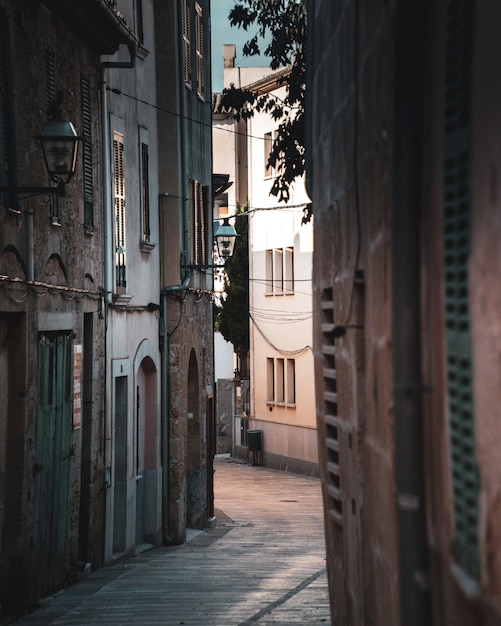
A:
x: 225, y: 237
x: 59, y: 142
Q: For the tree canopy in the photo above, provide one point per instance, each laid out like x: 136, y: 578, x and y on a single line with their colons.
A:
x: 282, y: 24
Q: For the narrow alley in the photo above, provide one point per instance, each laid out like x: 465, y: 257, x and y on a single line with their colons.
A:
x: 263, y: 562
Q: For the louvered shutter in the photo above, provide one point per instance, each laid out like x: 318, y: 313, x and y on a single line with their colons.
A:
x: 199, y: 50
x: 119, y: 192
x: 186, y: 43
x: 456, y: 246
x: 88, y: 177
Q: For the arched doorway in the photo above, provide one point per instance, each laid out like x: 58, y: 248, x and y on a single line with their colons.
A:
x: 146, y: 452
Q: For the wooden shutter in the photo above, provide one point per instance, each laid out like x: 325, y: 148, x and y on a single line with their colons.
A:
x: 331, y: 417
x: 186, y: 43
x: 88, y: 177
x: 456, y: 247
x: 199, y: 34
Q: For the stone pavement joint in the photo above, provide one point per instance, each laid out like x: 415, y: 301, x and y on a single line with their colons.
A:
x: 289, y: 594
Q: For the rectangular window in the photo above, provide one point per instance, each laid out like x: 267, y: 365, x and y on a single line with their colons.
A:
x: 269, y: 138
x: 268, y: 142
x: 291, y: 381
x: 270, y: 380
x: 278, y: 282
x: 144, y: 177
x: 199, y: 35
x: 280, y: 381
x: 289, y: 270
x: 87, y: 164
x: 186, y: 43
x: 269, y: 271
x: 119, y: 197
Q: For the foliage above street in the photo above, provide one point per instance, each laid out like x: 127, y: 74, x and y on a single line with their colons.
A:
x: 282, y: 25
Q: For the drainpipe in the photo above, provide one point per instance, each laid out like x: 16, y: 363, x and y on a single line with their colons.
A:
x: 411, y: 55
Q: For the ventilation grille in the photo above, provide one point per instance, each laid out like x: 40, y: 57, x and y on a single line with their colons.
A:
x: 331, y: 417
x: 456, y: 245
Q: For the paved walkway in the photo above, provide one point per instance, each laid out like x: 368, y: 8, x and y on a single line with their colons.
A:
x: 263, y: 563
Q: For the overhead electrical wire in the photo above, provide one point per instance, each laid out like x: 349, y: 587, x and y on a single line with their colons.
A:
x: 274, y: 346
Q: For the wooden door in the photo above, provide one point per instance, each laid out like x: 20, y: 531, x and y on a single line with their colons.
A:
x: 53, y: 455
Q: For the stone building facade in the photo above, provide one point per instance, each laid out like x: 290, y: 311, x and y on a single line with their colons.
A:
x: 403, y: 172
x: 51, y: 323
x: 106, y: 350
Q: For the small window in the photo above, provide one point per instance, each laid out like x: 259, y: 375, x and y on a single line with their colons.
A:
x: 289, y: 270
x: 270, y: 380
x: 278, y: 282
x: 280, y: 381
x: 267, y: 150
x: 291, y: 381
x: 269, y: 271
x: 144, y: 177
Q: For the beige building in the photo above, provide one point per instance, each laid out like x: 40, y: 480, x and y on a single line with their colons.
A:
x: 281, y: 400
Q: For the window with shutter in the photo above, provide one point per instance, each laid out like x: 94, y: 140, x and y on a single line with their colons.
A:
x: 88, y: 177
x: 456, y: 249
x: 119, y: 195
x: 199, y: 32
x: 198, y: 203
x: 186, y: 43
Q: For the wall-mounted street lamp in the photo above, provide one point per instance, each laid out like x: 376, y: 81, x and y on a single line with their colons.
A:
x: 59, y: 142
x: 225, y: 236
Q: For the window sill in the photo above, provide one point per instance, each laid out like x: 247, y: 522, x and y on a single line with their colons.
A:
x: 122, y: 299
x: 146, y: 246
x: 289, y: 405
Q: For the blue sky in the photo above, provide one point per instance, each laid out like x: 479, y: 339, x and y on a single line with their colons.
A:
x: 223, y: 33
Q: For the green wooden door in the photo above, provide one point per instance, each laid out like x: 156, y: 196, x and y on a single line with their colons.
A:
x: 53, y: 455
